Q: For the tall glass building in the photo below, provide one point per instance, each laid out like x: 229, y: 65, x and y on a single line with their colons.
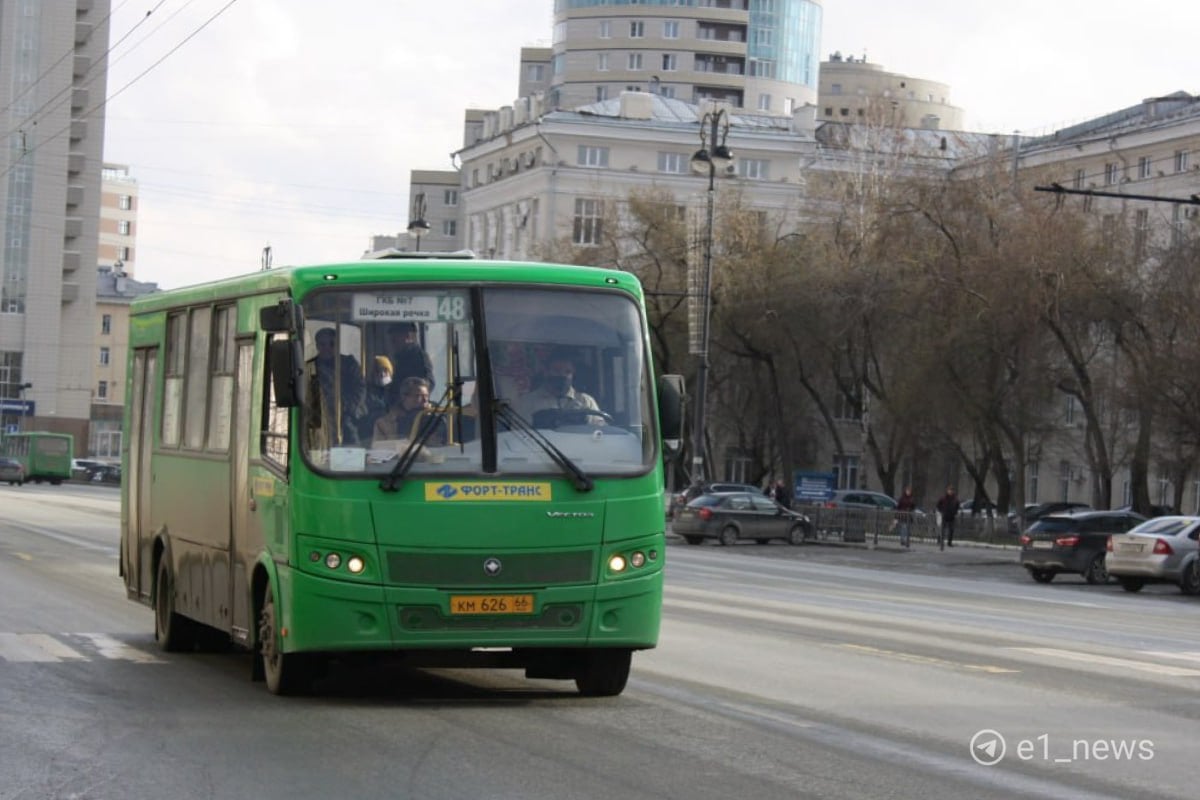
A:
x: 760, y: 55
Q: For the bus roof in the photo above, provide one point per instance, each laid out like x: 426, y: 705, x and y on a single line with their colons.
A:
x: 300, y: 280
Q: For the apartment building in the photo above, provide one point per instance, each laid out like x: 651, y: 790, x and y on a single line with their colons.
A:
x: 855, y: 90
x: 118, y: 219
x: 115, y: 291
x: 52, y: 87
x: 758, y: 56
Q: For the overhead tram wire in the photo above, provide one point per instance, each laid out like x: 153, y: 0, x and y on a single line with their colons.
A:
x: 63, y: 94
x: 1057, y: 188
x: 120, y: 91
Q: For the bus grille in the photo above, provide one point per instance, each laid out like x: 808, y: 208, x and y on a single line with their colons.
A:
x: 449, y: 570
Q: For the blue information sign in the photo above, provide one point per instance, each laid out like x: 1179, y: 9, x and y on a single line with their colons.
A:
x: 812, y: 487
x: 22, y: 407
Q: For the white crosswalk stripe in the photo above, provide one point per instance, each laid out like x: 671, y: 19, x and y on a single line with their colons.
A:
x: 65, y: 647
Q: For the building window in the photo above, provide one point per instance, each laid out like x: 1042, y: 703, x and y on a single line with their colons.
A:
x: 602, y: 62
x: 670, y: 62
x: 1031, y: 482
x: 124, y: 254
x: 601, y: 93
x: 450, y: 197
x: 764, y: 102
x: 666, y: 91
x: 676, y: 163
x: 606, y: 29
x: 125, y: 202
x: 635, y: 61
x: 105, y: 356
x: 1144, y: 167
x: 637, y: 29
x: 102, y: 390
x: 1141, y: 231
x: 1181, y: 160
x: 537, y: 72
x: 671, y: 29
x: 106, y: 324
x: 1078, y: 180
x: 588, y: 222
x: 755, y: 169
x: 1064, y: 479
x: 1069, y: 416
x: 123, y: 227
x: 835, y: 88
x: 789, y: 105
x: 1112, y: 173
x: 845, y: 472
x: 449, y: 227
x: 589, y: 156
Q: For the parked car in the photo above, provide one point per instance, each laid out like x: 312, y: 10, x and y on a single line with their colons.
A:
x: 1162, y: 549
x: 967, y: 508
x: 1075, y: 543
x: 1155, y: 511
x: 695, y: 490
x: 1035, y: 511
x: 12, y: 471
x: 730, y: 517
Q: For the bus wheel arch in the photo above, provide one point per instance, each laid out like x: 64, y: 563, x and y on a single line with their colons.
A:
x: 284, y: 673
x: 173, y: 631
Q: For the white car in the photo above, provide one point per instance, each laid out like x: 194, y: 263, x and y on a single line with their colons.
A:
x: 1160, y: 550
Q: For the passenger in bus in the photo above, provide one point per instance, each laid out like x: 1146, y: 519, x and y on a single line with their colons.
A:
x: 410, y: 414
x: 335, y: 414
x: 380, y: 395
x: 557, y: 391
x: 408, y: 358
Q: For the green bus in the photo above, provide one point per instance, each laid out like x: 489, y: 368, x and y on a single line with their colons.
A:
x: 262, y: 506
x: 46, y: 456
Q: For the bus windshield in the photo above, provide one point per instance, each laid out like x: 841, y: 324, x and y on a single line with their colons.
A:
x: 484, y: 378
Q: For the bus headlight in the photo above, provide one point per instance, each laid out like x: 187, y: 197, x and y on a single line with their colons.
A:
x: 637, y: 559
x: 355, y: 565
x: 333, y: 561
x: 616, y: 562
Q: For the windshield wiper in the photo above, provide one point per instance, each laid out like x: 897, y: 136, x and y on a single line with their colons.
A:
x: 428, y: 425
x: 509, y: 415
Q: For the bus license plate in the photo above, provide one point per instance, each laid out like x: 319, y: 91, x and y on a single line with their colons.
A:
x: 491, y: 604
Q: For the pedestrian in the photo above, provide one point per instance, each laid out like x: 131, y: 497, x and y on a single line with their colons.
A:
x: 778, y: 492
x: 947, y: 507
x: 904, y: 515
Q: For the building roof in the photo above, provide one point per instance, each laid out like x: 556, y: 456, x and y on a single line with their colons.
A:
x: 671, y: 110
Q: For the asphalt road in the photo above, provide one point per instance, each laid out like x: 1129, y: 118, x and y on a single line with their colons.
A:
x: 781, y: 672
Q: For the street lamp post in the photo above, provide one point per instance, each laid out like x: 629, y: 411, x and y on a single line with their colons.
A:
x: 24, y: 410
x: 418, y: 225
x: 714, y: 130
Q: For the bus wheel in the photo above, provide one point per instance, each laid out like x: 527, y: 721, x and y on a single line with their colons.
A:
x: 172, y: 631
x: 603, y: 673
x: 285, y: 673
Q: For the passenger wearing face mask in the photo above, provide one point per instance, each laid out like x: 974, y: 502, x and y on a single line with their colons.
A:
x: 557, y: 391
x: 380, y: 391
x: 410, y: 414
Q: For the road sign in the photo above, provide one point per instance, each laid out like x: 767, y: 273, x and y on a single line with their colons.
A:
x: 22, y: 407
x: 812, y: 487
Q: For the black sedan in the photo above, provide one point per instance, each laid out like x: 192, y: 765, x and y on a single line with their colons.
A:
x: 731, y: 516
x: 1073, y: 543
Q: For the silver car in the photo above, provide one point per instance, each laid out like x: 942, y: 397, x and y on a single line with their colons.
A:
x: 1162, y: 549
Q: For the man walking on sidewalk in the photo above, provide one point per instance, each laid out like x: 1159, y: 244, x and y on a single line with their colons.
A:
x: 947, y: 507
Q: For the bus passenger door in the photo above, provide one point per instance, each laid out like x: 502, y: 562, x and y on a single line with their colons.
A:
x: 137, y: 541
x: 245, y: 531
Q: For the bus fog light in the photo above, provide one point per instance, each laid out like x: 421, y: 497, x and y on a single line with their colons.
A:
x: 638, y: 559
x: 333, y: 561
x: 355, y: 564
x: 314, y: 556
x: 617, y: 563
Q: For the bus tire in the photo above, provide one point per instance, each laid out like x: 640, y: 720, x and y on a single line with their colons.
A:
x: 284, y: 673
x: 603, y: 673
x: 172, y: 630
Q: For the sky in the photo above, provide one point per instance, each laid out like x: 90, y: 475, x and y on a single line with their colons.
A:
x: 294, y: 124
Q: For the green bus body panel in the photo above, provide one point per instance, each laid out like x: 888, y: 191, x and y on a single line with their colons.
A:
x: 418, y: 552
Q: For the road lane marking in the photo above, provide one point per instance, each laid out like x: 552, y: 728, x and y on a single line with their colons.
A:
x: 914, y: 658
x: 1111, y: 661
x: 44, y: 648
x: 1192, y: 655
x: 34, y: 648
x: 117, y: 650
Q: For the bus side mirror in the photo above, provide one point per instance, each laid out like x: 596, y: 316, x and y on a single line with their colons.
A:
x: 286, y: 361
x: 670, y: 410
x: 284, y: 317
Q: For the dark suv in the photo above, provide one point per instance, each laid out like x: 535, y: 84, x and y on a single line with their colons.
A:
x: 1035, y: 511
x: 1074, y: 543
x: 681, y: 499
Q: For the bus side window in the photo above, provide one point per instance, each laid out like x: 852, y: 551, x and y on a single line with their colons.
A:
x: 276, y: 420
